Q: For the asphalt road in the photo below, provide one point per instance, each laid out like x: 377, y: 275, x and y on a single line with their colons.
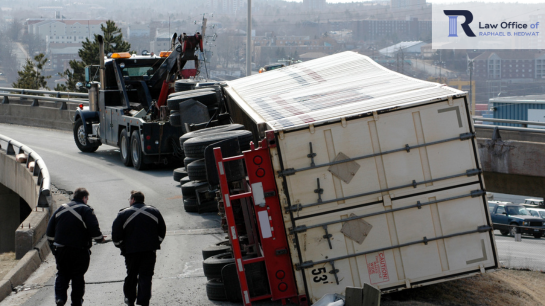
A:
x: 527, y: 254
x: 178, y: 280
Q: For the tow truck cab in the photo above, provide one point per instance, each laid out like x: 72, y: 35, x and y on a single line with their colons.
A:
x: 121, y: 111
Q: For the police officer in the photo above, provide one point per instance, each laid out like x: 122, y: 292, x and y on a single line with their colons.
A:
x: 70, y: 232
x: 138, y: 231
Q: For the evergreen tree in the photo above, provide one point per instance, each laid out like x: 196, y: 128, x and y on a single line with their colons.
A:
x: 113, y: 42
x: 31, y: 76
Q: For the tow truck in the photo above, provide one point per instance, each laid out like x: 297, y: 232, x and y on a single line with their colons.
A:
x: 127, y: 107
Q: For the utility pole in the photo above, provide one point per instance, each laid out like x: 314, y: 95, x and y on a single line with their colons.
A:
x: 397, y: 61
x: 249, y: 41
x: 402, y: 61
x: 470, y: 64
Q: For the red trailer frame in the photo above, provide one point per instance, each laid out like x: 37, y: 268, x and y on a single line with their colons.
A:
x: 273, y: 244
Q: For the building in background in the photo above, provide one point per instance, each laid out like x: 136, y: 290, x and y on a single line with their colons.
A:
x: 64, y: 30
x: 502, y: 73
x: 60, y: 55
x: 372, y: 30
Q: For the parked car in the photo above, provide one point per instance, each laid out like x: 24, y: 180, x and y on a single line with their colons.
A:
x: 534, y: 202
x: 537, y: 212
x: 507, y: 216
x: 270, y: 67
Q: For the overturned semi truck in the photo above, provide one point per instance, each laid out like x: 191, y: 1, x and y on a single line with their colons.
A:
x: 357, y: 174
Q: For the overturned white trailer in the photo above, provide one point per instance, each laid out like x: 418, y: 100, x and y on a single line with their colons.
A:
x: 378, y: 174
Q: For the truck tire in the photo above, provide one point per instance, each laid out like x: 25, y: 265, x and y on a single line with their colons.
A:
x: 189, y: 189
x: 137, y: 156
x: 504, y: 233
x: 125, y: 148
x: 191, y: 204
x: 179, y: 174
x: 536, y: 235
x: 208, y: 207
x: 184, y: 85
x: 197, y: 170
x: 184, y: 180
x: 173, y: 104
x: 175, y: 119
x: 215, y: 290
x: 210, y: 130
x: 194, y: 147
x: 212, y: 265
x: 189, y: 160
x: 80, y: 137
x: 221, y: 247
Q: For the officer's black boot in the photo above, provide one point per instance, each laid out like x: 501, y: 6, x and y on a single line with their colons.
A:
x: 129, y: 302
x: 60, y: 302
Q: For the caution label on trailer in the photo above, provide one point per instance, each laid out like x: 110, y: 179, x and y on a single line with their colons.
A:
x: 377, y: 268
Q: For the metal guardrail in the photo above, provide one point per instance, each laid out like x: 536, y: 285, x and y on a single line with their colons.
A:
x: 35, y: 100
x: 40, y: 169
x: 523, y: 125
x: 45, y: 92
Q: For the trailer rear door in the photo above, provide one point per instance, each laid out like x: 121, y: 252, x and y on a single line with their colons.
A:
x: 408, y: 210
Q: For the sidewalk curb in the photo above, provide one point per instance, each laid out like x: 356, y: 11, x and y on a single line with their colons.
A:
x: 26, y: 266
x: 5, y: 289
x: 32, y: 259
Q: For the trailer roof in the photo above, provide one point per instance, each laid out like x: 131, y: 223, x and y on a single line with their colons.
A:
x: 330, y: 87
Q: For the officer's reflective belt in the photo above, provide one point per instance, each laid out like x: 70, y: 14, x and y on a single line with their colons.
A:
x: 118, y: 243
x: 142, y: 211
x: 71, y: 209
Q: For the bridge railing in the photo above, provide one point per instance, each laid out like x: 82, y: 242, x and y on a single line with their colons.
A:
x: 33, y: 95
x: 13, y: 147
x: 523, y: 125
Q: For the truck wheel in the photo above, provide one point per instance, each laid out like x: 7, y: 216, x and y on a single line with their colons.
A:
x: 504, y: 233
x: 137, y: 156
x: 213, y: 265
x: 191, y: 204
x: 80, y: 137
x: 189, y: 160
x: 175, y: 119
x: 125, y: 148
x: 179, y: 173
x: 184, y: 180
x: 537, y: 235
x: 215, y: 290
x: 215, y: 249
x: 189, y: 189
x: 173, y: 104
x: 197, y: 170
x: 194, y: 147
x: 210, y: 130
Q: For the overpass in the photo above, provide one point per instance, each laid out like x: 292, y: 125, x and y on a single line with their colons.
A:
x: 512, y: 158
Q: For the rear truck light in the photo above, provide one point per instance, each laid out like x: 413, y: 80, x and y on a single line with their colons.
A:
x: 148, y: 147
x: 280, y: 274
x: 148, y: 137
x: 81, y: 106
x: 282, y: 286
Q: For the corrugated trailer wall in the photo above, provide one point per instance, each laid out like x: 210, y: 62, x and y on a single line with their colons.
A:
x: 513, y: 111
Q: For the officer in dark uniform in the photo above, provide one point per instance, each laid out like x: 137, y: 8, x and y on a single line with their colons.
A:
x: 138, y: 231
x: 70, y: 232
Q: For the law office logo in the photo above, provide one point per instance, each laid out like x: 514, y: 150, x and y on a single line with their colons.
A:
x: 453, y: 22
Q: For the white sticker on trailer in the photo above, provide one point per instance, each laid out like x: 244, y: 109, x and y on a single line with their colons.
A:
x: 264, y: 224
x: 258, y: 194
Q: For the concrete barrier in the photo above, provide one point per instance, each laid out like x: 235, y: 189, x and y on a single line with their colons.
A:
x: 46, y: 117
